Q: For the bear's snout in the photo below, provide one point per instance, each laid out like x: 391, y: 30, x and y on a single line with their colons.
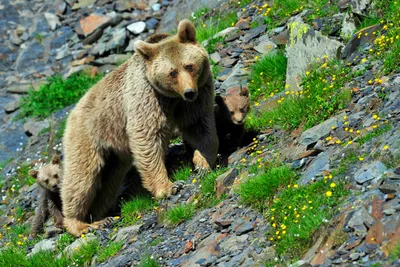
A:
x: 189, y: 94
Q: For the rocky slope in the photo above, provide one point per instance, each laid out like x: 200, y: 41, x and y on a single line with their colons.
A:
x: 358, y: 146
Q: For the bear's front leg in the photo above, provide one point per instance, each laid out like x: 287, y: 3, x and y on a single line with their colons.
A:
x: 203, y: 138
x: 148, y: 154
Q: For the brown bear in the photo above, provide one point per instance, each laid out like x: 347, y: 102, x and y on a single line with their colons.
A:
x: 230, y: 114
x: 127, y: 118
x: 48, y: 178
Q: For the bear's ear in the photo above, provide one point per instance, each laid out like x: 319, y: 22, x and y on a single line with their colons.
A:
x: 219, y: 100
x: 186, y: 31
x: 34, y: 173
x: 146, y: 50
x: 244, y: 92
x: 56, y: 159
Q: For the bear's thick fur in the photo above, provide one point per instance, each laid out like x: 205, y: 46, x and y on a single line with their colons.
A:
x: 127, y: 118
x: 230, y: 114
x: 49, y: 179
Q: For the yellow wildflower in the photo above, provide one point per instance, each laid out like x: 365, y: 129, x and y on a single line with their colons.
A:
x: 328, y: 193
x: 332, y: 185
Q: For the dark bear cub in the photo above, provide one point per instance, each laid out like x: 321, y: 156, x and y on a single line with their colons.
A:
x: 49, y: 180
x: 230, y: 114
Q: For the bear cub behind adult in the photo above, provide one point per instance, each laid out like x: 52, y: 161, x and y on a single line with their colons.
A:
x: 230, y: 114
x: 49, y: 179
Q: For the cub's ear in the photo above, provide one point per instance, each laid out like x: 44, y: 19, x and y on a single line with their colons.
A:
x: 34, y: 173
x: 219, y: 100
x: 244, y: 92
x: 56, y: 159
x: 186, y: 31
x: 146, y: 50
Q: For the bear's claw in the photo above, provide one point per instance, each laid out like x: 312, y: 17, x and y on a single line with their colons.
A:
x: 176, y: 187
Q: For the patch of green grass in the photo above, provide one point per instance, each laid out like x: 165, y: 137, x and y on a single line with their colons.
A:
x: 56, y: 94
x: 322, y: 96
x: 207, y: 183
x: 179, y: 214
x: 148, y: 261
x: 156, y: 241
x: 182, y: 174
x: 109, y: 251
x: 254, y: 24
x: 64, y: 241
x: 215, y: 69
x: 259, y: 191
x: 395, y: 253
x: 198, y: 14
x: 375, y: 133
x: 212, y: 44
x: 268, y: 75
x: 350, y: 158
x: 61, y: 129
x: 298, y: 211
x: 176, y: 141
x: 136, y: 207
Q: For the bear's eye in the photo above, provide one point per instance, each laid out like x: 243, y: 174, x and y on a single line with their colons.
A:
x: 46, y: 181
x: 232, y: 113
x: 189, y: 68
x: 173, y: 73
x: 243, y: 110
x: 55, y: 175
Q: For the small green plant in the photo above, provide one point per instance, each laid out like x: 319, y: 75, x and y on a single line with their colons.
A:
x: 148, y: 261
x: 349, y: 159
x: 205, y: 30
x: 394, y: 254
x: 156, y: 241
x: 132, y: 210
x: 375, y: 133
x: 268, y: 75
x: 61, y: 129
x: 260, y: 190
x: 64, y: 241
x: 109, y: 251
x: 182, y: 174
x: 179, y: 214
x: 39, y: 37
x: 254, y: 24
x: 176, y: 141
x: 56, y: 94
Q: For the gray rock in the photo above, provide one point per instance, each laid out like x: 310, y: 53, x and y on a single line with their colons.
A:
x: 83, y: 3
x: 360, y: 7
x: 372, y: 171
x: 14, y: 38
x: 115, y: 59
x: 360, y: 218
x: 215, y: 57
x: 131, y: 45
x: 31, y: 58
x: 69, y: 250
x: 151, y: 23
x: 348, y: 26
x: 63, y: 52
x: 319, y: 165
x: 33, y: 128
x: 265, y: 45
x: 44, y: 245
x: 12, y: 106
x: 156, y: 7
x: 52, y: 20
x: 305, y: 46
x: 354, y: 256
x: 238, y: 76
x: 137, y: 27
x: 118, y: 40
x: 315, y: 133
x: 127, y: 232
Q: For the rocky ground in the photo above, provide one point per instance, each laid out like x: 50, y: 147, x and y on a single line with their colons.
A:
x: 358, y: 145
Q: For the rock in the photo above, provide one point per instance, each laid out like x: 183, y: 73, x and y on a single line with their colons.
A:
x: 305, y: 46
x: 360, y: 217
x: 12, y: 106
x: 226, y: 32
x: 52, y: 20
x: 115, y: 59
x: 281, y: 39
x: 125, y: 5
x: 360, y: 7
x: 33, y: 128
x: 253, y: 33
x: 118, y: 40
x: 188, y: 246
x: 91, y: 23
x: 224, y: 182
x: 228, y: 62
x: 223, y: 223
x: 31, y: 58
x: 44, y: 245
x: 51, y: 231
x: 131, y: 45
x: 83, y: 3
x: 215, y: 57
x: 366, y: 37
x: 354, y: 256
x: 62, y: 52
x: 238, y: 76
x: 343, y: 5
x: 315, y: 133
x: 93, y: 37
x: 372, y: 171
x: 79, y: 243
x: 126, y: 232
x: 151, y: 23
x: 244, y: 228
x: 348, y: 26
x: 265, y: 47
x: 301, y: 263
x: 317, y: 167
x: 14, y: 38
x: 156, y: 7
x: 137, y: 27
x: 22, y: 88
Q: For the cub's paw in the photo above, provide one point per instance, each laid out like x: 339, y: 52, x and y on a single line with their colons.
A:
x: 176, y: 187
x: 200, y: 161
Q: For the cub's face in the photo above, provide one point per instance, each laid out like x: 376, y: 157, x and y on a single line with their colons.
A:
x: 177, y: 66
x: 234, y: 107
x: 49, y: 176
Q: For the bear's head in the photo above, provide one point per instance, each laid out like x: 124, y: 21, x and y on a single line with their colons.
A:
x: 233, y: 107
x: 49, y: 176
x: 177, y: 65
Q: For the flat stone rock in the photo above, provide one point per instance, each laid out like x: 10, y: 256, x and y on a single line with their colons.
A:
x: 22, y: 88
x: 238, y: 76
x: 360, y: 7
x: 317, y: 167
x: 229, y: 62
x: 52, y: 20
x: 33, y: 128
x: 305, y: 46
x: 215, y: 57
x: 265, y: 47
x: 360, y: 217
x: 225, y: 181
x: 151, y: 23
x: 369, y: 172
x: 348, y: 26
x: 83, y: 3
x: 79, y: 243
x: 115, y: 59
x: 44, y: 245
x: 12, y: 106
x: 91, y: 23
x: 127, y: 232
x: 137, y: 27
x: 253, y: 33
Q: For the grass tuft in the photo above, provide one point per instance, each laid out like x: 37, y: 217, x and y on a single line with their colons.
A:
x: 109, y: 251
x: 148, y: 261
x: 132, y: 210
x: 179, y: 214
x: 182, y: 174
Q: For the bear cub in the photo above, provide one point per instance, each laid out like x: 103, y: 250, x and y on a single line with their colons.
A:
x: 49, y: 180
x: 230, y: 114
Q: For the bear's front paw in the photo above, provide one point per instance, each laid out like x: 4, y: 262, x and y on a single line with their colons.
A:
x: 200, y: 161
x: 176, y: 187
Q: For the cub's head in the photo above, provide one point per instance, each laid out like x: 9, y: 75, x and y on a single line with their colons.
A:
x: 233, y: 107
x: 49, y: 176
x: 177, y: 66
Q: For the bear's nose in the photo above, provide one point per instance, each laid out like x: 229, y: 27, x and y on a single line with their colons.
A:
x: 240, y: 121
x: 189, y: 94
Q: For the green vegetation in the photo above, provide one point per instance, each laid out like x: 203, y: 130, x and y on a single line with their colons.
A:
x: 156, y: 241
x: 350, y: 157
x: 182, y: 174
x: 64, y: 241
x: 179, y: 214
x: 268, y: 75
x: 260, y: 190
x: 148, y: 261
x: 394, y: 254
x: 56, y: 94
x: 375, y: 133
x: 134, y: 209
x: 323, y: 95
x: 109, y: 251
x: 61, y: 129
